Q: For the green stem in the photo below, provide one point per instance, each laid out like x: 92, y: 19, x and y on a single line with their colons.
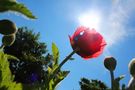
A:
x: 112, y: 80
x: 2, y: 47
x: 62, y: 63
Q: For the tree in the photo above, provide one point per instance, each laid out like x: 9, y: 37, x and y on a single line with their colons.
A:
x: 31, y: 54
x: 26, y: 43
x: 86, y: 84
x: 36, y: 67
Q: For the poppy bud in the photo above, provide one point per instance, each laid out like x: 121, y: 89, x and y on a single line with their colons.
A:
x: 131, y: 67
x: 131, y: 84
x: 89, y: 42
x: 110, y: 63
x: 8, y: 40
x: 7, y: 27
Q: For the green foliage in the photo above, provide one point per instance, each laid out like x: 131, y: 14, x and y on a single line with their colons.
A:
x: 31, y: 53
x: 123, y: 87
x: 6, y: 78
x: 52, y: 82
x: 33, y: 59
x: 9, y: 5
x: 110, y: 63
x: 59, y: 77
x: 92, y: 84
x: 56, y: 80
x: 27, y: 43
x: 116, y: 83
x: 55, y: 52
x: 72, y: 58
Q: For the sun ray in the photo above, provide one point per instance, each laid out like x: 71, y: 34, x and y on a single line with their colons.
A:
x: 90, y: 19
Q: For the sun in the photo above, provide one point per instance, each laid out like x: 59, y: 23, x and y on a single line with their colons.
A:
x: 90, y: 19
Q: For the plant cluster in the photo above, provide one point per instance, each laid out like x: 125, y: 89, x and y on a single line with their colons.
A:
x: 25, y: 63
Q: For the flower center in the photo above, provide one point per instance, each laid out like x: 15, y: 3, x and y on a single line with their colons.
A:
x: 78, y: 36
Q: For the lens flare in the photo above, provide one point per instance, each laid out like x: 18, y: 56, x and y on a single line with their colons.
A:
x: 90, y: 19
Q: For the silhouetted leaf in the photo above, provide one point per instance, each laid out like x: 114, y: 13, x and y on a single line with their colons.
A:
x: 49, y: 70
x: 59, y: 77
x: 6, y: 78
x: 11, y: 57
x: 55, y: 52
x: 87, y: 84
x: 17, y: 7
x: 71, y: 58
x: 116, y: 83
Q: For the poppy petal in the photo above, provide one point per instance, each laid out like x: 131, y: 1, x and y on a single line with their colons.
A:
x: 89, y: 41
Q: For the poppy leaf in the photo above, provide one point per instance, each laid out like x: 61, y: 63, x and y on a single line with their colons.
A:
x: 16, y: 7
x: 116, y: 83
x: 11, y: 57
x: 50, y: 84
x: 55, y: 67
x: 6, y: 78
x: 29, y: 57
x: 63, y: 74
x: 55, y: 53
x: 60, y: 76
x: 49, y: 70
x: 120, y: 78
x: 71, y: 58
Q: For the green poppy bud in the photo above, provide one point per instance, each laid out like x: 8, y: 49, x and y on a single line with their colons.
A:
x: 131, y: 84
x: 8, y: 40
x: 110, y: 63
x: 131, y: 67
x: 7, y: 27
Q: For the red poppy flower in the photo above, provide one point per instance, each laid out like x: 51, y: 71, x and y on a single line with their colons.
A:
x: 89, y: 42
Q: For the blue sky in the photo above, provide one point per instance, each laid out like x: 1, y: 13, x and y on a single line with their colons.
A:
x: 58, y: 19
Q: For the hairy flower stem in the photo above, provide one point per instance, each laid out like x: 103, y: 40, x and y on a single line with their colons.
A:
x: 131, y: 84
x: 112, y: 80
x: 62, y: 63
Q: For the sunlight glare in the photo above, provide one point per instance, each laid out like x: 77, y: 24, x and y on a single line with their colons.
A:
x: 90, y: 19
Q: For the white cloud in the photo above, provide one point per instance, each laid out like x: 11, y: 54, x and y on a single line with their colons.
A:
x: 112, y: 23
x: 114, y: 28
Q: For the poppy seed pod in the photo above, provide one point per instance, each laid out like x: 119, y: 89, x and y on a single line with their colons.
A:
x: 131, y: 67
x: 7, y: 27
x: 8, y: 40
x: 89, y: 41
x: 110, y: 63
